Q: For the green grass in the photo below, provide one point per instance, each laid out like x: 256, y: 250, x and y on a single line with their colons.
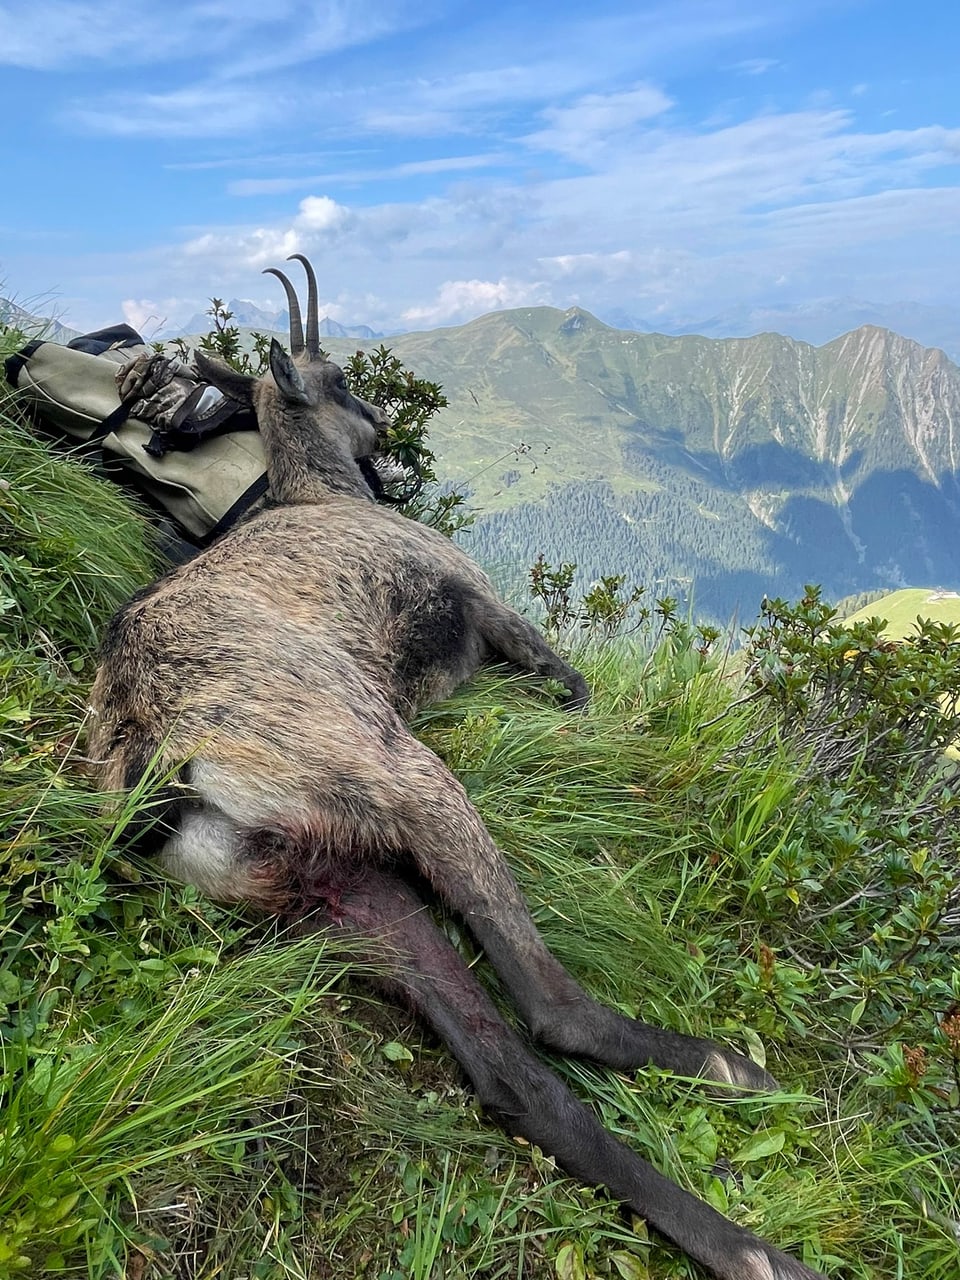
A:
x: 187, y: 1094
x: 901, y: 609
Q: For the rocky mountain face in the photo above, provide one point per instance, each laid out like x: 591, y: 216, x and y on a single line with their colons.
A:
x: 34, y: 326
x: 725, y: 469
x: 247, y: 315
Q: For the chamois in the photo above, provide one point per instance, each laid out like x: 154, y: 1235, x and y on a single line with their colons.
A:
x: 270, y: 680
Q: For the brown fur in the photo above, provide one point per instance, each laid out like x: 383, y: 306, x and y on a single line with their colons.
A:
x: 272, y: 677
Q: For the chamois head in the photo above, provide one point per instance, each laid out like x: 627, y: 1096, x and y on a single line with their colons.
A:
x: 314, y: 430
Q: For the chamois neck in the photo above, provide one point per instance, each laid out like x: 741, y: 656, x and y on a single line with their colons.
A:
x: 305, y: 463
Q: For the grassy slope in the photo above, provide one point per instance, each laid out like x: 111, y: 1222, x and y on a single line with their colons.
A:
x: 185, y: 1095
x: 901, y: 609
x: 902, y: 612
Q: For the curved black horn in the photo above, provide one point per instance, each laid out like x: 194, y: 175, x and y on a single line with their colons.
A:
x: 313, y: 320
x: 293, y: 305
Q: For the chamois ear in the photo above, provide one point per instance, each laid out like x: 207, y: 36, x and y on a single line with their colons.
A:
x: 238, y: 386
x: 286, y: 375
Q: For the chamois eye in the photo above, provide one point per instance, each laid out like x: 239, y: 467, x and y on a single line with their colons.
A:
x: 341, y: 383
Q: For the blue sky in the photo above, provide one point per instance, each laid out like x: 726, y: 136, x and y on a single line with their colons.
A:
x: 437, y: 160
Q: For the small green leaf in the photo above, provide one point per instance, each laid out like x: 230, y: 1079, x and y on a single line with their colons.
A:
x: 569, y: 1264
x: 755, y: 1047
x: 396, y: 1052
x: 760, y: 1146
x: 196, y: 956
x: 629, y: 1266
x: 66, y: 1204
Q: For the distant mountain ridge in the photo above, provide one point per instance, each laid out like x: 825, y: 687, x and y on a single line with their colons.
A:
x: 17, y: 317
x: 248, y: 315
x: 817, y: 322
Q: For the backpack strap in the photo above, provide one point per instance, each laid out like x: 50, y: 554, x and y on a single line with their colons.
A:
x: 243, y: 504
x: 13, y: 364
x: 111, y: 422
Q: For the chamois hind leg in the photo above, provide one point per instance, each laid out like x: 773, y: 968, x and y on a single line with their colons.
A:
x: 434, y: 820
x: 418, y: 963
x: 374, y: 789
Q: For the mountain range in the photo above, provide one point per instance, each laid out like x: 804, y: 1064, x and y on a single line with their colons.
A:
x: 718, y: 469
x: 817, y: 322
x: 248, y: 315
x: 17, y: 317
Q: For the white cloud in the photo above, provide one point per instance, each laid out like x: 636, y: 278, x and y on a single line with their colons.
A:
x: 149, y: 317
x: 388, y: 173
x: 866, y: 221
x: 592, y: 126
x: 321, y: 214
x: 755, y: 66
x: 680, y: 181
x: 240, y: 38
x: 460, y: 300
x: 404, y: 123
x: 43, y: 34
x: 210, y: 111
x: 612, y: 265
x: 318, y: 221
x: 261, y: 246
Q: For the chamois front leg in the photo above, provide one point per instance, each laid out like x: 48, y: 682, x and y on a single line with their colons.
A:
x: 416, y: 962
x: 514, y: 639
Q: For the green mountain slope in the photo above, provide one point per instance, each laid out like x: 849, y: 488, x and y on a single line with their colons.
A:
x: 901, y: 609
x: 735, y: 466
x: 722, y: 469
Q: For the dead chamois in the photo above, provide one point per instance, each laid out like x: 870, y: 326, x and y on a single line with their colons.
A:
x: 273, y: 676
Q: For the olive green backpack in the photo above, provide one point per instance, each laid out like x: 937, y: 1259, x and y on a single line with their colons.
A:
x: 149, y: 421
